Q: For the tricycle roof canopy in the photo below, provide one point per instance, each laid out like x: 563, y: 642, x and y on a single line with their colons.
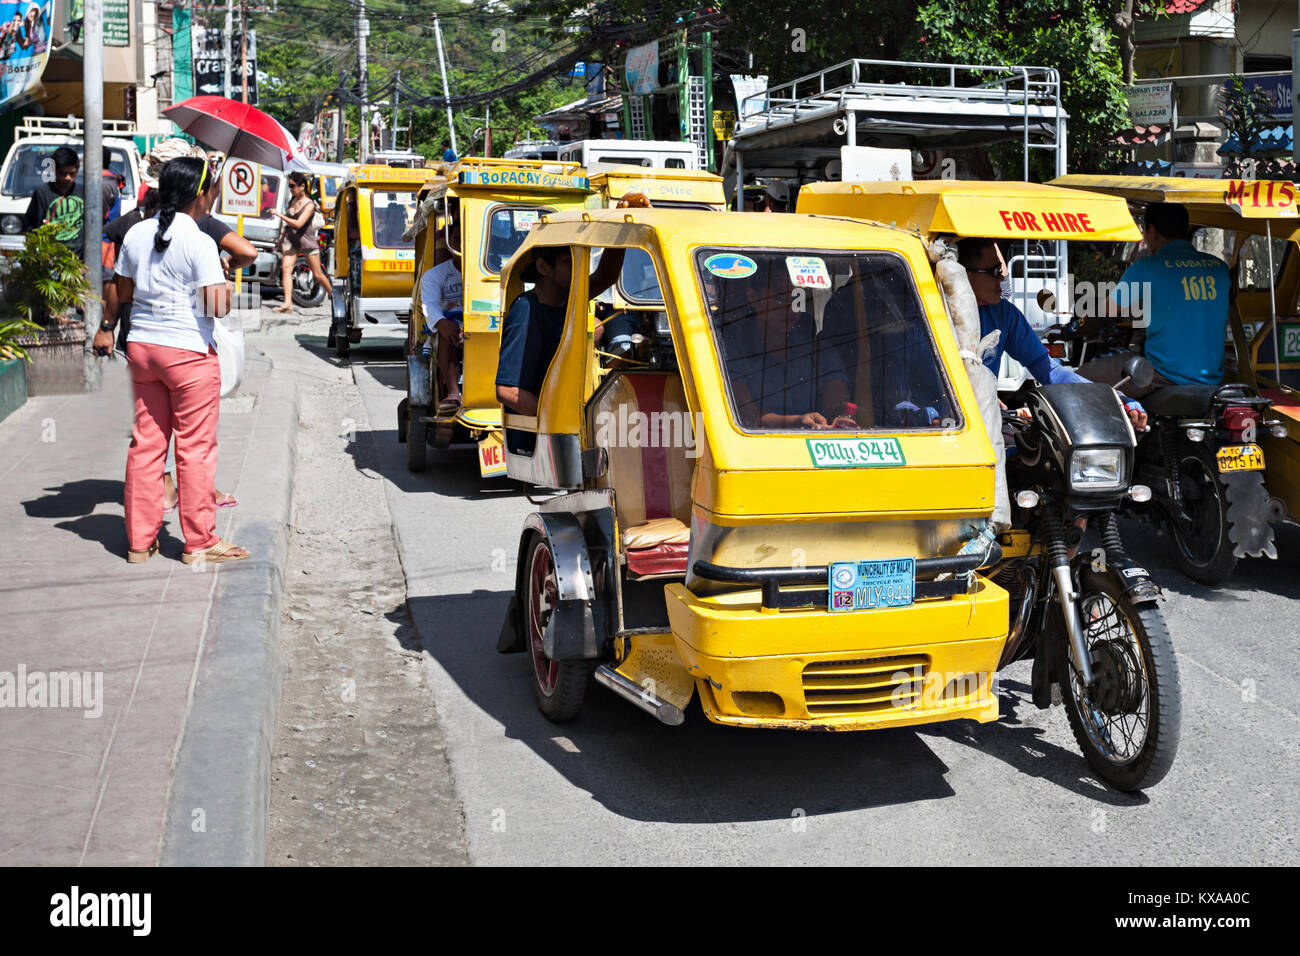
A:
x: 978, y: 208
x: 1251, y: 199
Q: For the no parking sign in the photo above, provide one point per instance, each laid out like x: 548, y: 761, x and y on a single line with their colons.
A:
x: 241, y: 188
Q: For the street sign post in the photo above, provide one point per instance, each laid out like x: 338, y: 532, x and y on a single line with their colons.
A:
x: 241, y: 191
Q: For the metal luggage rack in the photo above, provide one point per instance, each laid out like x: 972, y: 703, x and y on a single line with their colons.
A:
x: 62, y: 125
x: 831, y: 89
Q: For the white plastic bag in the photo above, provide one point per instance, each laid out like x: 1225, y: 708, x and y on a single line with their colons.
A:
x: 963, y: 312
x: 229, y: 343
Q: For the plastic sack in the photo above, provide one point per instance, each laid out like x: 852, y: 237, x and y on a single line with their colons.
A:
x: 229, y: 343
x: 963, y: 313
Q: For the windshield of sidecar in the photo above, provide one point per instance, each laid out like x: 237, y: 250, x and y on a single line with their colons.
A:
x: 812, y: 339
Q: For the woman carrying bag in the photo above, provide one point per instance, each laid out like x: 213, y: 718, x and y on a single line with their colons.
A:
x: 298, y: 238
x: 169, y: 275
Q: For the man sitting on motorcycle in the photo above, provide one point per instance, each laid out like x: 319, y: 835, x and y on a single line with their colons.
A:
x: 1187, y: 312
x: 984, y: 269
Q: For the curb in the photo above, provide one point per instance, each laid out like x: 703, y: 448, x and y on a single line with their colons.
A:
x: 219, y: 803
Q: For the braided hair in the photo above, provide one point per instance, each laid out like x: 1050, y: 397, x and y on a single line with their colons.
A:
x: 180, y: 183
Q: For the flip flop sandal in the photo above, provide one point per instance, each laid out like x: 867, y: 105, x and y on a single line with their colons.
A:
x: 230, y: 501
x: 140, y: 557
x: 216, y: 554
x: 283, y: 309
x: 448, y: 404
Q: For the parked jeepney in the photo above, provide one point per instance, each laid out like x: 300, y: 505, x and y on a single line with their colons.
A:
x: 1237, y: 444
x: 496, y: 202
x: 374, y: 256
x: 784, y: 514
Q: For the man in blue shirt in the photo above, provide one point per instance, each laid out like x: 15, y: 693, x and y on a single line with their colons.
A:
x: 1187, y: 311
x: 984, y: 269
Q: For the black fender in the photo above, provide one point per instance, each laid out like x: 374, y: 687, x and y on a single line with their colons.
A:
x: 339, y: 304
x: 576, y: 630
x: 1133, y: 579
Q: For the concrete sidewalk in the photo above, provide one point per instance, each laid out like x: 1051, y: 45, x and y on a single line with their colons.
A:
x: 168, y: 662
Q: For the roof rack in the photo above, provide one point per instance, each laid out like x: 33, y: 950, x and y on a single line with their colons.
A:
x: 63, y: 125
x: 923, y: 105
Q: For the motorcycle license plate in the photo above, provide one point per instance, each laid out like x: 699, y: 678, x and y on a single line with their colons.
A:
x: 868, y: 585
x: 1240, y: 458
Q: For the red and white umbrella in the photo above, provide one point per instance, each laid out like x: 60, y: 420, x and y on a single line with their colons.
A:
x: 240, y: 131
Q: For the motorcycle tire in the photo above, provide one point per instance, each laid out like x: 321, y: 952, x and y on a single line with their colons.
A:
x: 307, y: 292
x: 1203, y: 550
x: 1136, y: 675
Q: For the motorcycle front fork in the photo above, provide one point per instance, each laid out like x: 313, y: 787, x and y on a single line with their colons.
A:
x: 1058, y: 560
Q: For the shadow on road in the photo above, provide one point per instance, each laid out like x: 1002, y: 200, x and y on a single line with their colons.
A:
x: 74, y: 498
x: 705, y: 773
x: 1281, y: 576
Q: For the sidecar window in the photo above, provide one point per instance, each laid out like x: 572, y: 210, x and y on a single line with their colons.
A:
x: 815, y: 338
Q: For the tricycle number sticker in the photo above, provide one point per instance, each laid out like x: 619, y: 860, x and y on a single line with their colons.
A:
x: 867, y: 585
x: 525, y: 219
x: 730, y: 266
x: 855, y: 452
x: 808, y: 271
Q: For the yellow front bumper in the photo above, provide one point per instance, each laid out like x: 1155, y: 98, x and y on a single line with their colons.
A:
x: 814, y: 670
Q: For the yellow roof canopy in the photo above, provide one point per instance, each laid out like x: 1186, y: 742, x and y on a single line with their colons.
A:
x: 1250, y: 199
x: 1001, y: 210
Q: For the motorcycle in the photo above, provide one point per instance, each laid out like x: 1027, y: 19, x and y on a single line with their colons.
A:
x: 1089, y: 618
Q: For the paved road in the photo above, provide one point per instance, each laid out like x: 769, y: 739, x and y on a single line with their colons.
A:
x: 614, y: 786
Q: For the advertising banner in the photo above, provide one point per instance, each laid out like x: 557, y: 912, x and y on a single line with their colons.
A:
x: 25, y: 28
x: 642, y: 68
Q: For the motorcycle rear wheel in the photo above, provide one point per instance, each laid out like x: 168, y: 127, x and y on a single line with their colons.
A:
x: 1203, y: 548
x: 1127, y: 725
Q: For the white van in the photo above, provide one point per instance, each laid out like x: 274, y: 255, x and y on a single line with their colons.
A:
x: 600, y: 155
x: 30, y: 161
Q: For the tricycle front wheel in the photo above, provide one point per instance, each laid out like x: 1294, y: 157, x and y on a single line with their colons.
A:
x: 559, y: 687
x: 1127, y: 723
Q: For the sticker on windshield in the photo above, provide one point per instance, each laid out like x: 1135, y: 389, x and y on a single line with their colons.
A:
x: 808, y: 271
x: 855, y: 452
x: 730, y: 266
x: 525, y: 219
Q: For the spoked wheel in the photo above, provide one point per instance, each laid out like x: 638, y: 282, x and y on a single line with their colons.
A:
x: 1202, y: 547
x: 558, y: 686
x: 1127, y: 725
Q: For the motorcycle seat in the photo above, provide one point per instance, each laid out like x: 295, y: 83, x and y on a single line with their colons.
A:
x: 1179, y: 401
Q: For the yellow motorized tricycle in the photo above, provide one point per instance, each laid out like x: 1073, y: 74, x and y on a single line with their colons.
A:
x: 786, y: 513
x: 1224, y: 458
x: 374, y: 257
x: 469, y: 223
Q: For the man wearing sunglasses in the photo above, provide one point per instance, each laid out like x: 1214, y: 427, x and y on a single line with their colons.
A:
x: 985, y: 270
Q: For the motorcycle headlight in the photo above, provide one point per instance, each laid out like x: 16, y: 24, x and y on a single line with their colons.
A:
x: 1097, y: 469
x: 11, y: 225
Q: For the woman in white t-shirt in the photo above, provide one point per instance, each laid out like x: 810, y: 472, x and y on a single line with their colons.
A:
x: 169, y: 274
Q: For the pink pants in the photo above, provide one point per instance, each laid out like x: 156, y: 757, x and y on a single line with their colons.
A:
x: 176, y: 392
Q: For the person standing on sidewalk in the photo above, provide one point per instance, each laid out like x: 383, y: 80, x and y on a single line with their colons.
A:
x: 299, y: 239
x: 170, y: 275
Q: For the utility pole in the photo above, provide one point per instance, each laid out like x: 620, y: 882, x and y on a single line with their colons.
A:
x: 487, y: 133
x: 243, y: 49
x: 363, y: 31
x: 397, y: 98
x: 226, y: 39
x: 341, y: 121
x: 92, y: 78
x: 442, y: 64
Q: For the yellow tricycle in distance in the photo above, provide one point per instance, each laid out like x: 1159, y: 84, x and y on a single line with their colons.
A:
x: 374, y: 259
x: 784, y: 513
x: 492, y: 204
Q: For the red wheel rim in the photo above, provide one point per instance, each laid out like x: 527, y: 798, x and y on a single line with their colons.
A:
x: 542, y: 593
